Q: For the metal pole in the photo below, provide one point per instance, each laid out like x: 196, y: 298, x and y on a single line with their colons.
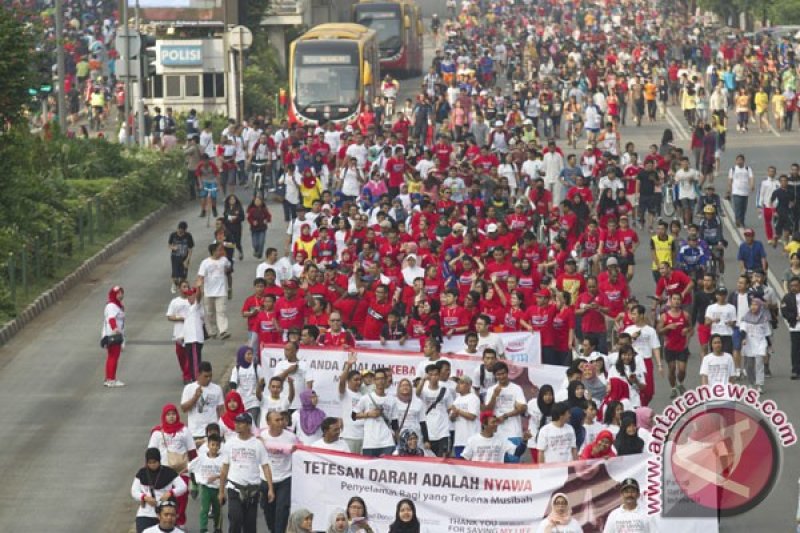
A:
x: 241, y: 79
x: 60, y: 68
x: 140, y: 87
x: 126, y: 50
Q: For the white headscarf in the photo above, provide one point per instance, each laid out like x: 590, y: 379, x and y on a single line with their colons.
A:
x: 411, y: 273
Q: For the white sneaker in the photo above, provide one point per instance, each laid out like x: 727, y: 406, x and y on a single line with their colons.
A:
x: 117, y: 383
x: 108, y: 383
x: 172, y: 289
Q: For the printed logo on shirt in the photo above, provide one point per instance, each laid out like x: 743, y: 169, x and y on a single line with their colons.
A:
x: 715, y: 451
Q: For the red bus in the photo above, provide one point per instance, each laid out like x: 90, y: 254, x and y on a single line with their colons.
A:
x: 399, y: 28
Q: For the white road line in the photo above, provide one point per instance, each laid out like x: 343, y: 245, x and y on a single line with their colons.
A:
x: 678, y: 125
x: 773, y: 130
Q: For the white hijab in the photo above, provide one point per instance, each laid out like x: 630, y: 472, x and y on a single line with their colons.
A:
x: 411, y: 273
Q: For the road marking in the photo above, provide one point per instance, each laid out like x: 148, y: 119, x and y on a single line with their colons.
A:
x: 773, y: 130
x: 678, y: 125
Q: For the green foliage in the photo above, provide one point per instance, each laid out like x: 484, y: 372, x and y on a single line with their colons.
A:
x: 263, y: 77
x: 784, y: 11
x: 218, y: 123
x: 16, y: 67
x: 44, y: 199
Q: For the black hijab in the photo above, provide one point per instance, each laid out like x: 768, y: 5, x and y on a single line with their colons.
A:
x: 399, y: 526
x: 545, y: 408
x: 572, y: 397
x: 155, y: 479
x: 626, y: 444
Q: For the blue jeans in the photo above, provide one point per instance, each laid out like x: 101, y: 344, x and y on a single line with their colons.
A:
x: 457, y: 451
x: 739, y: 208
x: 509, y: 458
x: 258, y: 237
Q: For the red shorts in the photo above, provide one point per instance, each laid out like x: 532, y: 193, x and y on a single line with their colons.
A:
x: 703, y: 334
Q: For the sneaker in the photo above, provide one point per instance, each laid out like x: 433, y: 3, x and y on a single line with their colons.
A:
x: 241, y: 256
x: 681, y: 388
x: 224, y: 335
x: 760, y: 389
x: 795, y: 377
x: 117, y: 383
x: 674, y: 393
x: 202, y: 214
x: 172, y: 288
x: 767, y: 372
x: 108, y: 383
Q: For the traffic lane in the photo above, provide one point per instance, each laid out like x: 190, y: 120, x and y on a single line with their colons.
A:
x: 61, y: 429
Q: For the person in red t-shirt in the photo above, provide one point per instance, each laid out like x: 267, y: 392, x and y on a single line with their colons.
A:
x: 250, y: 309
x: 515, y: 314
x: 589, y: 244
x: 443, y: 151
x: 589, y: 307
x: 540, y: 317
x: 396, y: 168
x: 499, y: 268
x: 676, y: 327
x: 570, y: 280
x: 613, y: 287
x: 674, y: 282
x: 378, y: 307
x: 336, y: 336
x: 291, y: 309
x: 266, y: 322
x: 563, y: 329
x: 454, y: 318
x: 629, y: 241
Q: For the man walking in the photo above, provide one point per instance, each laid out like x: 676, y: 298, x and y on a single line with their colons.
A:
x: 790, y: 304
x: 628, y: 516
x: 212, y: 277
x: 244, y: 460
x: 741, y: 184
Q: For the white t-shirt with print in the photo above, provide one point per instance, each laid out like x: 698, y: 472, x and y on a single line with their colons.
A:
x: 466, y: 428
x: 246, y: 459
x: 726, y: 313
x: 415, y: 414
x: 436, y: 417
x: 506, y: 402
x: 279, y: 450
x: 621, y: 520
x: 718, y: 368
x: 302, y: 376
x: 204, y: 411
x: 215, y: 282
x: 556, y: 442
x: 646, y: 342
x: 178, y: 307
x: 351, y: 429
x: 203, y: 467
x: 487, y: 450
x: 377, y: 432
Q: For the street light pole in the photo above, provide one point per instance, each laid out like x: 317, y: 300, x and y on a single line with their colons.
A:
x: 140, y: 87
x: 126, y: 50
x: 60, y: 68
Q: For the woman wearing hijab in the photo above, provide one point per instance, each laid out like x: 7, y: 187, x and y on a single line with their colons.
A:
x: 576, y: 395
x: 234, y: 406
x: 539, y: 412
x: 305, y: 242
x: 408, y: 444
x: 244, y: 379
x: 755, y: 327
x: 234, y: 218
x: 644, y: 421
x: 154, y: 483
x: 405, y: 518
x: 576, y: 417
x: 600, y: 447
x: 412, y: 270
x: 560, y: 518
x: 338, y: 522
x: 174, y: 442
x: 628, y: 441
x: 113, y: 334
x: 300, y: 521
x: 307, y: 421
x: 617, y: 390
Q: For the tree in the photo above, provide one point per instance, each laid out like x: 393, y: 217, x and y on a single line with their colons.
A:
x: 16, y: 67
x: 262, y: 77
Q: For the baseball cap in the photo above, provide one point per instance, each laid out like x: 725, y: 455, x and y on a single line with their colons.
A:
x: 749, y: 231
x: 629, y: 482
x: 244, y: 417
x: 491, y: 228
x: 458, y: 226
x: 722, y: 290
x: 612, y: 261
x: 544, y: 293
x: 498, y: 123
x: 167, y: 503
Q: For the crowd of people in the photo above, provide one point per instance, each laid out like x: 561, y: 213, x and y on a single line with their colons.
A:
x: 465, y: 211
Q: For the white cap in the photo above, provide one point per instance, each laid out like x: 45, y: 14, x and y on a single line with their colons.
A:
x: 491, y: 228
x: 498, y: 123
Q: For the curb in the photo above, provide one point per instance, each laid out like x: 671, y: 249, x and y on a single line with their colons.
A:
x: 51, y: 296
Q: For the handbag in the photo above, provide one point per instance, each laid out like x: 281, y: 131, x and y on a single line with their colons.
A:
x: 112, y: 340
x: 177, y: 461
x: 249, y: 494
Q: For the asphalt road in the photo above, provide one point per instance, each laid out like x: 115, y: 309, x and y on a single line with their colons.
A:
x: 71, y: 447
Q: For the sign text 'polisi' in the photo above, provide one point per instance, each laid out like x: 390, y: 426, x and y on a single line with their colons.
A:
x: 181, y: 56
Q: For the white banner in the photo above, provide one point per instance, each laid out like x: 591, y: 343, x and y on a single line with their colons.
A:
x: 521, y: 346
x: 326, y: 367
x: 453, y: 496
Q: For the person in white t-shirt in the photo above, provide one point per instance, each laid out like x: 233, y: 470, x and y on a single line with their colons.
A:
x: 203, y: 401
x: 483, y: 375
x: 176, y: 313
x: 349, y: 396
x: 331, y: 436
x: 628, y: 517
x: 717, y: 366
x: 464, y: 412
x: 246, y: 380
x: 154, y: 484
x: 559, y: 520
x: 206, y: 468
x: 212, y: 277
x: 646, y: 343
x: 489, y: 447
x: 409, y: 409
x: 167, y: 518
x: 173, y: 437
x: 507, y: 401
x: 377, y: 409
x: 279, y: 444
x: 556, y: 442
x: 437, y: 400
x: 487, y: 339
x: 244, y: 463
x: 276, y: 400
x: 298, y: 370
x: 721, y: 316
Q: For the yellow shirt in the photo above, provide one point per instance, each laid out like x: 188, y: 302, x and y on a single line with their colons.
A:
x: 762, y: 102
x: 414, y: 187
x: 792, y: 248
x: 779, y: 104
x: 663, y: 250
x: 650, y: 91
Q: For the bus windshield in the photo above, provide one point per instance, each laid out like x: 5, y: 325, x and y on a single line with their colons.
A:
x: 326, y: 74
x: 386, y: 23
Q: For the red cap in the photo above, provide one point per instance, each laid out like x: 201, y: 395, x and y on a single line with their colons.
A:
x: 485, y: 416
x: 190, y: 291
x: 544, y: 293
x: 749, y: 231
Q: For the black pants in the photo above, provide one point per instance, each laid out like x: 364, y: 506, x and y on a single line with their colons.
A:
x: 795, y: 340
x: 191, y: 181
x: 194, y: 352
x: 242, y: 516
x: 277, y: 512
x: 440, y: 447
x: 600, y: 339
x: 549, y: 356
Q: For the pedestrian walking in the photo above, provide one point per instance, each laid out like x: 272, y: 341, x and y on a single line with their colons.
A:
x: 181, y: 244
x: 113, y: 334
x: 258, y: 216
x: 167, y: 518
x: 741, y: 184
x: 212, y: 278
x: 154, y: 483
